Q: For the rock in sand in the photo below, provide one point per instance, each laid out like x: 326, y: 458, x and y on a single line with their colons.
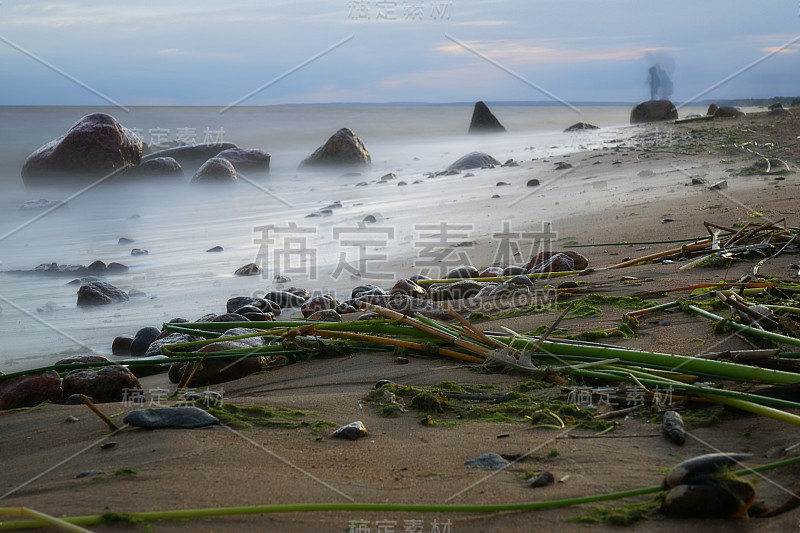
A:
x: 30, y: 390
x: 341, y: 149
x: 653, y: 111
x: 483, y: 121
x: 100, y: 293
x: 170, y: 417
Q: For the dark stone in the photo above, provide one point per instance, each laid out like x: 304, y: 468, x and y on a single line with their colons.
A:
x: 171, y: 338
x: 364, y: 290
x: 124, y: 240
x: 563, y: 165
x: 100, y: 293
x: 473, y: 160
x: 215, y: 170
x: 776, y: 105
x: 247, y: 160
x: 250, y: 269
x: 464, y: 271
x: 104, y: 385
x: 115, y: 268
x: 30, y: 390
x: 483, y: 121
x: 568, y: 285
x: 533, y: 183
x: 285, y: 299
x: 343, y: 148
x: 192, y: 155
x: 93, y: 147
x: 298, y: 291
x: 318, y: 303
x: 229, y: 317
x: 352, y: 431
x: 221, y: 370
x: 778, y: 111
x: 712, y: 109
x: 121, y: 345
x: 89, y: 473
x: 653, y: 111
x: 139, y: 251
x: 215, y: 249
x: 555, y: 263
x: 75, y: 399
x: 727, y: 111
x: 259, y: 317
x: 143, y: 339
x: 542, y: 479
x: 170, y: 417
x: 578, y: 260
x: 454, y: 291
x: 491, y: 272
x: 407, y: 287
x: 579, y: 126
x: 520, y: 280
x: 247, y: 309
x: 158, y: 167
x: 240, y: 301
x: 97, y: 267
x: 513, y: 270
x: 411, y: 306
x: 326, y: 315
x: 488, y: 461
x: 82, y: 359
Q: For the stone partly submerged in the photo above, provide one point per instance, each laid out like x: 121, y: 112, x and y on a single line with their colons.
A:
x: 192, y: 156
x: 94, y: 147
x: 344, y: 148
x: 216, y: 170
x: 157, y: 168
x: 170, y: 417
x: 653, y: 111
x: 100, y: 293
x: 484, y: 121
x: 474, y: 160
x: 580, y: 126
x: 247, y: 160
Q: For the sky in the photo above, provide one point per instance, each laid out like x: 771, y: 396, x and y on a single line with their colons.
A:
x: 283, y: 52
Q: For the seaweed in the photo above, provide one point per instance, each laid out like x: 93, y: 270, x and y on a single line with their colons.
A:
x: 622, y: 515
x: 245, y: 417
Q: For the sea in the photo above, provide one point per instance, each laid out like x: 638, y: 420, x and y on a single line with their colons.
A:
x: 358, y: 237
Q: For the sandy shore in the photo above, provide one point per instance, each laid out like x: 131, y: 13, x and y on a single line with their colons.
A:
x: 629, y: 194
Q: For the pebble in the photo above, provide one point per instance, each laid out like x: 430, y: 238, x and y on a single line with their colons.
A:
x: 352, y: 431
x: 533, y: 183
x: 124, y: 240
x: 541, y: 479
x: 170, y: 417
x: 488, y: 461
x: 71, y: 419
x: 139, y: 251
x: 215, y: 249
x: 285, y: 299
x: 401, y: 360
x: 142, y: 340
x: 90, y: 473
x: 249, y: 269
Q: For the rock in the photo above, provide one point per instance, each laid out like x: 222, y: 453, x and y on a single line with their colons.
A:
x: 720, y: 185
x: 82, y: 359
x: 388, y: 177
x: 483, y: 121
x: 121, y: 345
x: 778, y: 111
x: 520, y: 280
x: 100, y: 293
x: 365, y: 290
x: 697, y: 180
x: 508, y: 163
x: 473, y: 160
x: 259, y: 317
x: 237, y: 302
x: 464, y: 271
x: 229, y: 317
x: 170, y: 417
x: 215, y: 371
x: 247, y: 160
x: 727, y: 111
x: 580, y: 262
x: 215, y: 170
x: 326, y: 315
x: 318, y: 303
x: 712, y: 109
x: 343, y: 148
x: 215, y: 249
x: 352, y: 431
x: 139, y: 251
x: 454, y: 291
x: 143, y: 339
x: 487, y: 461
x: 254, y: 342
x: 533, y: 183
x: 673, y: 428
x: 542, y: 479
x: 407, y: 287
x: 297, y: 291
x: 158, y: 167
x: 513, y: 270
x: 172, y: 338
x: 285, y: 299
x: 90, y: 473
x: 653, y: 111
x: 192, y: 155
x: 97, y: 266
x: 501, y: 184
x: 555, y: 263
x: 562, y: 165
x: 580, y: 126
x: 93, y: 147
x: 30, y: 390
x: 115, y: 268
x: 411, y: 306
x: 104, y: 385
x: 776, y: 105
x: 568, y: 285
x: 491, y: 272
x: 250, y: 269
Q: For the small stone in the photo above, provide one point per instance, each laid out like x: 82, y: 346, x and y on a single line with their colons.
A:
x: 720, y: 185
x: 697, y: 180
x: 487, y: 461
x: 249, y: 269
x: 124, y: 240
x: 90, y: 473
x: 542, y: 479
x: 326, y: 315
x: 215, y: 249
x: 352, y: 431
x: 285, y: 299
x: 142, y: 340
x: 139, y: 251
x: 100, y: 293
x: 502, y: 184
x: 562, y: 165
x: 401, y: 360
x: 107, y: 445
x: 170, y: 417
x: 533, y: 183
x: 71, y: 419
x: 568, y: 285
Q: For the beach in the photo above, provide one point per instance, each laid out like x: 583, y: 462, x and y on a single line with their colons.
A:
x: 620, y: 193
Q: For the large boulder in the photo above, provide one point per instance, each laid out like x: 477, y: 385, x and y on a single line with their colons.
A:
x: 30, y: 390
x: 653, y: 111
x: 474, y: 160
x: 92, y: 148
x: 483, y: 121
x: 192, y: 156
x: 247, y: 160
x: 712, y: 109
x: 215, y: 170
x: 100, y: 293
x: 342, y: 149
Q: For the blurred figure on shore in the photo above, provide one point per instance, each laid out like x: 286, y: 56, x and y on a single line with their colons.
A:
x: 660, y: 84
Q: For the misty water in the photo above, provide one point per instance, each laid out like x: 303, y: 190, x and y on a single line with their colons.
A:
x: 177, y: 223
